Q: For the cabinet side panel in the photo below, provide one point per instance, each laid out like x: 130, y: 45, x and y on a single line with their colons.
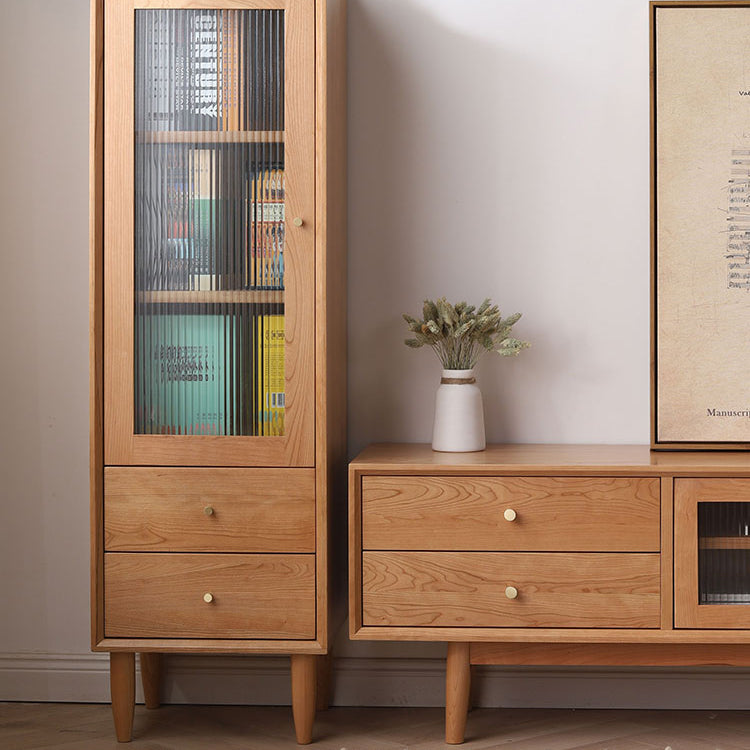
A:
x: 331, y: 311
x: 96, y: 228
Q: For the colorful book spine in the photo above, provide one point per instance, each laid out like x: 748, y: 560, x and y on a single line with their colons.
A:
x: 266, y: 234
x: 271, y: 387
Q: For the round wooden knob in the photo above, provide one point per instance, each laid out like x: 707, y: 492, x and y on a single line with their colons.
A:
x: 511, y: 592
x: 510, y: 514
x: 297, y: 221
x: 208, y: 510
x: 208, y: 597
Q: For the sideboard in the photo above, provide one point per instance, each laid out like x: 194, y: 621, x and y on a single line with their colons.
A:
x: 537, y: 554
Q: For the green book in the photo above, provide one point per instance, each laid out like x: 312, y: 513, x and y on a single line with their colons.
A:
x: 186, y: 374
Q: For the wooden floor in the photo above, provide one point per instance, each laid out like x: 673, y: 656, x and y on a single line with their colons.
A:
x: 70, y: 726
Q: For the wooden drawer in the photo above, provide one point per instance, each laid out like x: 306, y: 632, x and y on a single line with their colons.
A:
x: 576, y: 514
x: 209, y: 510
x: 468, y: 589
x: 253, y: 596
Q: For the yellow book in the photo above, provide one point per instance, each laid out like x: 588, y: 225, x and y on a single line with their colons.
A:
x: 270, y: 377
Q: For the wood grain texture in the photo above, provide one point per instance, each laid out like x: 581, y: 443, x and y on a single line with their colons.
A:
x: 151, y: 678
x: 355, y: 553
x: 96, y: 312
x: 304, y: 686
x: 614, y: 655
x: 667, y: 553
x: 565, y: 590
x: 457, y: 691
x: 600, y: 514
x: 549, y: 635
x: 118, y: 229
x: 252, y: 510
x: 122, y: 691
x: 548, y: 460
x: 253, y: 596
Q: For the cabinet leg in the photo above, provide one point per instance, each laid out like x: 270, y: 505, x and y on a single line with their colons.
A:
x: 457, y: 688
x: 151, y: 679
x: 304, y: 684
x: 324, y: 674
x: 122, y: 690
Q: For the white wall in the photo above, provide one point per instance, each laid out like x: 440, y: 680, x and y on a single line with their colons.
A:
x: 497, y: 148
x: 501, y: 149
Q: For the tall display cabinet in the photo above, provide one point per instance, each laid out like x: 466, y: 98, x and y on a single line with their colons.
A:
x: 218, y: 315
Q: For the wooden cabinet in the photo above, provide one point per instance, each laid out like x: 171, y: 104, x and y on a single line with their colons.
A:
x: 218, y: 387
x: 543, y: 554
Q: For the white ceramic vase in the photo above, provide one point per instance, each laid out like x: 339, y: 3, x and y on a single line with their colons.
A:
x: 459, y: 414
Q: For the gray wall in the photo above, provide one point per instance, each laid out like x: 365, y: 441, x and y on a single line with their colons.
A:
x: 496, y: 149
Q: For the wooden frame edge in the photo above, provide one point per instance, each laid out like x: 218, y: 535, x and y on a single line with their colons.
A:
x: 96, y: 322
x: 330, y: 253
x: 355, y: 552
x: 656, y: 444
x: 219, y: 646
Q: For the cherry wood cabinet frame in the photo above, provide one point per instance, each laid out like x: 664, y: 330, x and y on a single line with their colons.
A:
x: 315, y: 448
x: 407, y: 501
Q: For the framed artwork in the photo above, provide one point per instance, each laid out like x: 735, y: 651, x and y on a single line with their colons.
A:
x: 700, y: 225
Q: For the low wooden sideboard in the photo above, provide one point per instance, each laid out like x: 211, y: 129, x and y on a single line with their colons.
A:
x: 551, y: 555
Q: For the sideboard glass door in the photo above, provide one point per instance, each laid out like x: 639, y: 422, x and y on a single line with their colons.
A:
x: 712, y: 552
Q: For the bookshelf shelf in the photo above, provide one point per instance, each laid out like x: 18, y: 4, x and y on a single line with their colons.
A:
x: 250, y: 297
x: 724, y: 542
x: 218, y: 329
x: 209, y: 137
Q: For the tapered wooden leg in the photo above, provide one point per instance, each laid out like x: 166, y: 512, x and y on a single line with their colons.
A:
x: 325, y: 669
x: 457, y: 689
x: 122, y: 689
x: 151, y: 679
x: 304, y: 684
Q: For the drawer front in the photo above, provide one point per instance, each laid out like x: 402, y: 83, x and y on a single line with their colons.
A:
x: 547, y: 514
x: 470, y: 589
x: 209, y: 510
x: 250, y: 596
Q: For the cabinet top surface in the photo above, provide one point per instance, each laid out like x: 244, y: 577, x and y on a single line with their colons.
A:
x: 542, y: 457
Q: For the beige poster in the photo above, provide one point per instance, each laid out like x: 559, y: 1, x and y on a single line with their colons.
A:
x: 702, y: 240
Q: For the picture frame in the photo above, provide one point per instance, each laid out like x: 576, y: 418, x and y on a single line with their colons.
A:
x: 700, y: 225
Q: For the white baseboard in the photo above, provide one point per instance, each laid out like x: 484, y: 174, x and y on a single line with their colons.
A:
x: 264, y: 680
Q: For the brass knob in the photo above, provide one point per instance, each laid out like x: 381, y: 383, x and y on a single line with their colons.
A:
x: 208, y: 510
x: 511, y: 592
x: 297, y: 221
x: 208, y: 597
x: 510, y: 514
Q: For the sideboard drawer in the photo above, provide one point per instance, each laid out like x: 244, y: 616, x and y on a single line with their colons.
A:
x: 552, y: 514
x: 209, y: 596
x: 209, y: 510
x: 472, y: 589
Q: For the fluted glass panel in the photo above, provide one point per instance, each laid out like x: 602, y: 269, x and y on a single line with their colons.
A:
x: 724, y: 553
x: 209, y: 222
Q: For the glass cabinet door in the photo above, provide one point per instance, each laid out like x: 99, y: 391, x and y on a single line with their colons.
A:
x: 712, y: 553
x: 209, y: 233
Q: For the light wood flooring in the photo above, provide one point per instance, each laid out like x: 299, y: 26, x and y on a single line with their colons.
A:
x: 70, y: 726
